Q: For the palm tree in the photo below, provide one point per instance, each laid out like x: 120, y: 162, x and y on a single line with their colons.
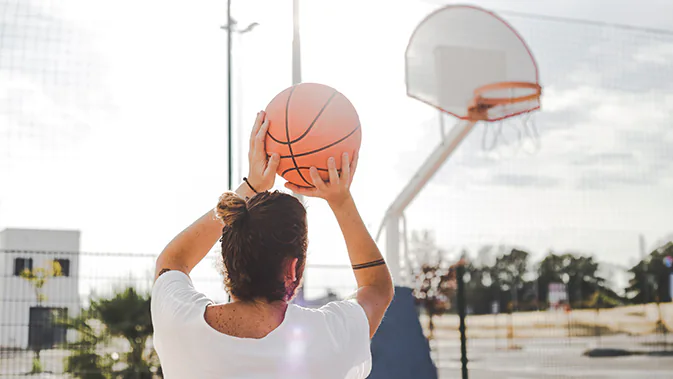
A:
x: 84, y: 361
x: 125, y: 315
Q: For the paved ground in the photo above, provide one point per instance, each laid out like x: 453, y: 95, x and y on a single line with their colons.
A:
x: 548, y: 358
x: 557, y: 358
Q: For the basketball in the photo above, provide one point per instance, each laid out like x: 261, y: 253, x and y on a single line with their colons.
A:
x: 308, y: 123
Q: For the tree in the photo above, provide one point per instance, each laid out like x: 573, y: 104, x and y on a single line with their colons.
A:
x: 550, y: 270
x: 500, y: 279
x: 38, y: 277
x: 508, y: 273
x: 650, y: 277
x: 126, y: 315
x: 84, y: 361
x: 434, y: 290
x: 583, y: 280
x: 580, y: 274
x: 434, y: 280
x: 479, y: 285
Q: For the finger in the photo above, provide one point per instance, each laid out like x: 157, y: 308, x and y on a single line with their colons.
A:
x: 255, y: 128
x: 260, y: 141
x: 354, y: 164
x: 333, y: 173
x: 345, y: 168
x: 316, y: 179
x: 272, y: 166
x: 305, y: 191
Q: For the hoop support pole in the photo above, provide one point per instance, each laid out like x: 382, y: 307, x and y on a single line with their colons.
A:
x: 432, y: 164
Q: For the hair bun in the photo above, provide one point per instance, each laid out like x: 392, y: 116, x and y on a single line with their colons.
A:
x: 231, y: 208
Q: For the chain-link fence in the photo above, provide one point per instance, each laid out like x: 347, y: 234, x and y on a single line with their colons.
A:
x: 87, y: 315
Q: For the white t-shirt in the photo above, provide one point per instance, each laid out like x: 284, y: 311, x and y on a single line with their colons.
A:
x: 330, y: 342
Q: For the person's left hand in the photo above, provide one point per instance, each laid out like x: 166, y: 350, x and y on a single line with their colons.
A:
x: 262, y: 171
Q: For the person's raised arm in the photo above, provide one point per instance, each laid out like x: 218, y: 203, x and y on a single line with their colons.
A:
x: 375, y: 285
x: 192, y: 244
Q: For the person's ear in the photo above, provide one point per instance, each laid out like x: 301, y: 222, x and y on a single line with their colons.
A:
x: 292, y: 270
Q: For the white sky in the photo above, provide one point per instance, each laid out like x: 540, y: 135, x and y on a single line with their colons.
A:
x: 133, y: 147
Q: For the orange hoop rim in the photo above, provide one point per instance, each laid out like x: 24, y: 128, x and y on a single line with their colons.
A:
x: 480, y: 100
x: 477, y: 111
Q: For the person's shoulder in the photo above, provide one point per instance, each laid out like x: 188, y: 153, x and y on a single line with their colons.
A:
x: 349, y: 307
x: 171, y: 276
x: 336, y: 316
x: 340, y: 307
x: 171, y: 284
x: 331, y: 308
x: 174, y: 298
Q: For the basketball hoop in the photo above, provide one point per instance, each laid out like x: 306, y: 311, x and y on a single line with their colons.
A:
x: 470, y: 63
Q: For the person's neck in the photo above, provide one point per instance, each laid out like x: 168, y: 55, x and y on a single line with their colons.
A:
x: 261, y: 305
x: 254, y: 319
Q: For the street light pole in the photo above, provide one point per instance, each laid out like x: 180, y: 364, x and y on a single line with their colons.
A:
x: 296, y: 44
x: 296, y: 79
x: 230, y: 27
x: 296, y: 53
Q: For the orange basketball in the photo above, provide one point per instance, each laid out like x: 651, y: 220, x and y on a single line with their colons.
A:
x: 308, y: 123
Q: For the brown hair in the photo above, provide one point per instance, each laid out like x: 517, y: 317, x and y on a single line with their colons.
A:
x: 260, y: 237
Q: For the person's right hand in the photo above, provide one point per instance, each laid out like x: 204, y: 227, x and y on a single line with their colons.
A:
x: 262, y: 171
x: 337, y: 190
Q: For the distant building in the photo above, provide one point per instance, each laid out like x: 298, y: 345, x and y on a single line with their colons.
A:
x: 25, y: 320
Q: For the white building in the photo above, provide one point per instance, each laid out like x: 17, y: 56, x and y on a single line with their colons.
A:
x: 26, y: 320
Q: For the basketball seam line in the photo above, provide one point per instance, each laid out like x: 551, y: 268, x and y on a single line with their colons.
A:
x: 305, y: 168
x: 310, y: 126
x: 320, y: 149
x: 304, y: 186
x: 287, y: 133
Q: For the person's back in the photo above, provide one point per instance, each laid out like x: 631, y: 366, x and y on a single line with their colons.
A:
x: 264, y: 240
x: 330, y: 342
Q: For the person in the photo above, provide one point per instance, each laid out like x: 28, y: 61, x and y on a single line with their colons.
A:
x: 260, y: 333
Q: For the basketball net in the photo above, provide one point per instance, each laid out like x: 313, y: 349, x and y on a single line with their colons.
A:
x: 509, y: 137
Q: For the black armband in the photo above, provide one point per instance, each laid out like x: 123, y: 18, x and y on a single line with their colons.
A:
x: 375, y: 263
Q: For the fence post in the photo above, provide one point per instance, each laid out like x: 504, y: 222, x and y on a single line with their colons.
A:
x: 460, y: 274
